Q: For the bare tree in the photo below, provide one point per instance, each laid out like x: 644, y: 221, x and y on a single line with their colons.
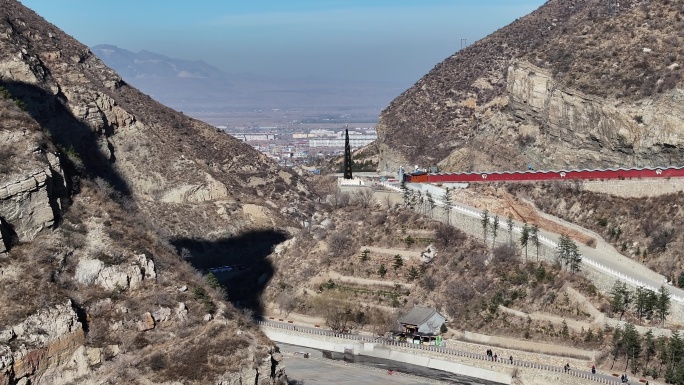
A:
x: 336, y: 308
x: 339, y: 244
x: 339, y: 199
x: 387, y: 199
x: 447, y: 235
x: 506, y: 253
x: 364, y: 197
x: 287, y: 302
x: 381, y: 322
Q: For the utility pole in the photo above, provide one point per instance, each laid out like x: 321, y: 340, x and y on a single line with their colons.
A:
x: 464, y: 43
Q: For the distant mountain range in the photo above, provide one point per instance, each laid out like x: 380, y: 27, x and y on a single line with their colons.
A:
x: 146, y: 64
x: 197, y: 87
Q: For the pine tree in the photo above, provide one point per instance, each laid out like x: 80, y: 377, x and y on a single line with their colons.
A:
x: 382, y: 270
x: 663, y: 304
x: 620, y: 298
x: 412, y: 273
x: 398, y: 262
x: 430, y: 202
x: 567, y: 253
x: 364, y: 255
x: 617, y: 347
x: 675, y: 358
x: 649, y: 347
x: 676, y: 347
x: 640, y: 298
x: 565, y: 332
x: 485, y: 224
x: 406, y: 194
x: 495, y: 229
x: 632, y: 345
x: 534, y: 237
x: 447, y: 204
x: 524, y: 238
x: 212, y: 280
x: 509, y: 227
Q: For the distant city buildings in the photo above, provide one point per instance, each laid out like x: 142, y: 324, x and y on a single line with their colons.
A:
x: 254, y: 137
x: 290, y: 147
x: 336, y: 140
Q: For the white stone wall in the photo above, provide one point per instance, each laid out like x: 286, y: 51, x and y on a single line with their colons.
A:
x: 636, y: 188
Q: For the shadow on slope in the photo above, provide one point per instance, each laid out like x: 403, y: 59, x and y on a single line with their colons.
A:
x: 78, y: 141
x: 245, y: 270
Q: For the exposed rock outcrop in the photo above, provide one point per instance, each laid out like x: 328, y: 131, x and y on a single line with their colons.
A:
x: 568, y: 86
x: 570, y: 121
x: 30, y: 202
x: 45, y: 339
x: 110, y: 170
x: 117, y: 277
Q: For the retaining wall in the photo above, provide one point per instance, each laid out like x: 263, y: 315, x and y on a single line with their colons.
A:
x: 388, y: 352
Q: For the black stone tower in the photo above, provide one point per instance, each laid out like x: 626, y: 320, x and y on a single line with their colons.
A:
x: 347, y: 156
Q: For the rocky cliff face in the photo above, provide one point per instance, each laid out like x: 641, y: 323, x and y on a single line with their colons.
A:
x: 575, y: 126
x: 100, y: 188
x: 574, y: 84
x: 30, y: 203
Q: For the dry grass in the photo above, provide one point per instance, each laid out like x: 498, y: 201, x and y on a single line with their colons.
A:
x: 458, y: 281
x: 645, y: 229
x: 583, y: 46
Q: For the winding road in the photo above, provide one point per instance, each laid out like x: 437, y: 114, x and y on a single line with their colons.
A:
x: 604, y: 258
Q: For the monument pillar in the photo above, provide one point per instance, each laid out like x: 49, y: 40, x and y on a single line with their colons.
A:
x: 347, y: 156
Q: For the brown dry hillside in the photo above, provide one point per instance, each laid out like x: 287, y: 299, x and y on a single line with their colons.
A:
x: 324, y: 268
x: 645, y: 229
x: 573, y: 84
x: 110, y: 203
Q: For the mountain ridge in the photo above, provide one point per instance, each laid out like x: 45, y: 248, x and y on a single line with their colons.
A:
x: 603, y: 98
x: 197, y: 87
x: 110, y: 203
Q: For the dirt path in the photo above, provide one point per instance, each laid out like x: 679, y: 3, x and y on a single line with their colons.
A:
x: 599, y: 255
x: 529, y: 212
x: 554, y: 319
x: 595, y: 313
x: 405, y: 254
x: 335, y: 276
x: 477, y: 340
x: 598, y: 319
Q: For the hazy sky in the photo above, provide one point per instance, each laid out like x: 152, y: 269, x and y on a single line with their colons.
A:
x: 393, y: 41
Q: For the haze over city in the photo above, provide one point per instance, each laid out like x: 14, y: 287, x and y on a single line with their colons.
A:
x: 381, y: 41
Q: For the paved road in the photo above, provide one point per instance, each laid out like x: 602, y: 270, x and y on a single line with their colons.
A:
x: 605, y: 258
x: 316, y: 370
x: 455, y: 353
x: 319, y: 372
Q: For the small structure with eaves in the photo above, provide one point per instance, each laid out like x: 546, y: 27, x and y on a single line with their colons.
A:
x: 423, y: 320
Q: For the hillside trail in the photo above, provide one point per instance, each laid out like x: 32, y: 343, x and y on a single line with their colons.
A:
x: 405, y: 254
x: 591, y: 245
x: 594, y: 246
x: 598, y: 247
x: 324, y: 277
x: 598, y: 319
